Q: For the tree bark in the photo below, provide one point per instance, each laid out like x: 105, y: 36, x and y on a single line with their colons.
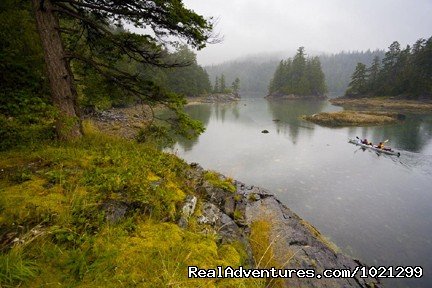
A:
x: 63, y: 93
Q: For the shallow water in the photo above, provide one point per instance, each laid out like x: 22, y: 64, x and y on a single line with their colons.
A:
x: 374, y: 207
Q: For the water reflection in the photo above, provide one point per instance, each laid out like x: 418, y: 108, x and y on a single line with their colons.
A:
x: 203, y: 113
x: 286, y: 115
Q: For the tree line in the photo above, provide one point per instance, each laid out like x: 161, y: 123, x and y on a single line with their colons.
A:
x: 406, y: 72
x: 299, y: 76
x: 255, y: 72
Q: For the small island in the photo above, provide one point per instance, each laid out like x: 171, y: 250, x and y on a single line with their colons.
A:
x: 220, y: 92
x: 299, y: 78
x: 353, y: 118
x: 214, y: 98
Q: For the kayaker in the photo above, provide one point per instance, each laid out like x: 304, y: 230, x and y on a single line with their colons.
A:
x: 380, y: 145
x: 366, y: 142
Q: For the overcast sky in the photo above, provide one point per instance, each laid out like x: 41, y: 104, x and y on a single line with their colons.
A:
x: 257, y: 26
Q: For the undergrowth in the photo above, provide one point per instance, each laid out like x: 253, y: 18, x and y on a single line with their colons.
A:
x: 101, y: 212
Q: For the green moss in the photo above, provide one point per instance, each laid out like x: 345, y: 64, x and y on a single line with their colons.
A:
x: 60, y: 189
x: 217, y: 181
x: 238, y: 214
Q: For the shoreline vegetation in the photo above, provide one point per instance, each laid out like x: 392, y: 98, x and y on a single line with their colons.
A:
x: 353, y: 118
x: 388, y: 103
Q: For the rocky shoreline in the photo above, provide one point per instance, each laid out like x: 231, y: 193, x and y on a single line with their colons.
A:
x: 214, y: 98
x: 292, y: 242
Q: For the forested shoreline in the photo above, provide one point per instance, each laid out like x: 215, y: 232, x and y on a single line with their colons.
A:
x: 402, y: 72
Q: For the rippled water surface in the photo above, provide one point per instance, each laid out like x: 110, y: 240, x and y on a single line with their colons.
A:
x: 376, y: 208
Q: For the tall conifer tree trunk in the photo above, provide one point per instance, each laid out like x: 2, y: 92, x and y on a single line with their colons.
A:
x: 63, y: 93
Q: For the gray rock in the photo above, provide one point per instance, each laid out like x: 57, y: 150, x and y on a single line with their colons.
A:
x: 290, y: 235
x: 196, y: 172
x: 229, y: 206
x: 114, y: 210
x: 187, y: 210
x: 214, y: 194
x: 210, y: 214
x: 189, y: 206
x: 228, y: 229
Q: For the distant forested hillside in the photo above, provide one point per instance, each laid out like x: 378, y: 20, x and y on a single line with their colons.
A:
x: 255, y: 73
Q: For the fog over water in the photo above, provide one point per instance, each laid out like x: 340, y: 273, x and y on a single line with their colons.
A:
x: 253, y: 27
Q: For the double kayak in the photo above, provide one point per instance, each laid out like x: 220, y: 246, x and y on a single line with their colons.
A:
x: 358, y: 142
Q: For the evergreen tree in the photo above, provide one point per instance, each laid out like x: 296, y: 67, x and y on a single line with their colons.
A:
x: 222, y: 88
x: 316, y: 77
x: 389, y: 70
x: 357, y: 86
x: 278, y: 79
x: 236, y: 85
x: 298, y: 72
x: 422, y: 63
x: 81, y: 31
x: 403, y: 73
x: 216, y: 86
x: 373, y: 74
x: 190, y: 80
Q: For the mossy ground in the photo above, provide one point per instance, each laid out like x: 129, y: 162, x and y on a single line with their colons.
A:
x: 54, y: 229
x: 352, y: 118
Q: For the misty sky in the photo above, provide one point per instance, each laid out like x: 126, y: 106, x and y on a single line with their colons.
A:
x: 253, y: 27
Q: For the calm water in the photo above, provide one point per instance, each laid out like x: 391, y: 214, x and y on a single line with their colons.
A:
x: 376, y: 208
